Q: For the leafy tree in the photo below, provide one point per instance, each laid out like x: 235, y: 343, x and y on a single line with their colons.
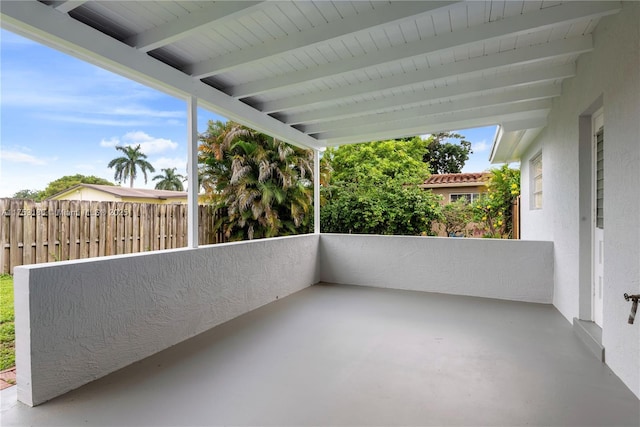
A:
x: 494, y: 209
x: 127, y: 166
x: 264, y: 185
x: 444, y: 156
x: 69, y: 181
x: 28, y: 194
x: 374, y: 189
x: 169, y: 180
x: 456, y: 216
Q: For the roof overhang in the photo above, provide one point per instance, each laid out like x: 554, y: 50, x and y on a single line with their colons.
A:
x: 317, y: 74
x: 512, y: 139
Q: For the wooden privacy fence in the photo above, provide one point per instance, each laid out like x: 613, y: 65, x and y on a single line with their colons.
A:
x: 515, y: 215
x: 57, y: 230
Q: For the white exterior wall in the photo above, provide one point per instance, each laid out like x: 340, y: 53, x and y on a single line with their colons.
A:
x: 504, y: 269
x: 536, y: 226
x: 77, y: 321
x: 611, y: 71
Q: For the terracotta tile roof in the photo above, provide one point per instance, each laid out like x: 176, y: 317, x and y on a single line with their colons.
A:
x: 456, y: 179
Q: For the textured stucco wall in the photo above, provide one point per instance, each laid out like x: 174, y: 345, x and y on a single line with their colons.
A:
x: 80, y: 320
x: 505, y: 269
x: 611, y: 73
x: 534, y: 223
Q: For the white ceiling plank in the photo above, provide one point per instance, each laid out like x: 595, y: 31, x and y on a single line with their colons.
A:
x: 520, y: 24
x: 513, y: 96
x: 208, y: 16
x: 43, y: 24
x: 320, y: 34
x: 67, y: 6
x: 516, y: 125
x: 472, y: 66
x: 444, y: 122
x: 469, y: 88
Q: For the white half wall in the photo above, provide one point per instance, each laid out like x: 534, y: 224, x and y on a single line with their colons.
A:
x: 77, y: 321
x: 609, y: 77
x: 504, y: 269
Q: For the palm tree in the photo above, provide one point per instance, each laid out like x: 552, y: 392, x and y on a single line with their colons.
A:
x: 170, y: 180
x: 264, y: 185
x: 127, y: 165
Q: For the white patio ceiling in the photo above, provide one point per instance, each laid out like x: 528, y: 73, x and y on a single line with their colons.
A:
x: 321, y: 73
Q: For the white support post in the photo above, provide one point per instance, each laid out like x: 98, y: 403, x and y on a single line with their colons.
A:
x: 192, y: 172
x: 316, y: 191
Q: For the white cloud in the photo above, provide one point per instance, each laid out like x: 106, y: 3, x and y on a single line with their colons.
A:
x: 144, y: 112
x: 74, y: 118
x: 148, y: 144
x: 74, y: 97
x: 166, y: 163
x: 21, y: 157
x: 480, y: 146
x: 111, y: 142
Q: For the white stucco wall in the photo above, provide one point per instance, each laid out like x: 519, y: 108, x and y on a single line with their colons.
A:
x: 612, y: 72
x: 536, y: 226
x: 505, y: 269
x: 80, y: 320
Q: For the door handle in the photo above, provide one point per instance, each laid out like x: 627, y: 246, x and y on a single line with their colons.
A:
x: 634, y: 306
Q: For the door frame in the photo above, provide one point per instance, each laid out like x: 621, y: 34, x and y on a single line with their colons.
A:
x: 597, y: 247
x: 585, y: 206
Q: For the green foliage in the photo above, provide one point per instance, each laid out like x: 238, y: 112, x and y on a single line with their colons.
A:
x: 264, y: 185
x: 29, y: 195
x: 169, y: 180
x: 456, y: 216
x: 126, y: 167
x: 379, y: 162
x: 7, y: 331
x: 374, y: 190
x: 68, y: 181
x: 390, y: 208
x: 444, y: 156
x: 494, y: 209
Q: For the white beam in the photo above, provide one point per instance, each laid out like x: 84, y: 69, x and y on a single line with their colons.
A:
x: 508, y: 27
x: 512, y: 96
x: 382, y: 15
x: 470, y: 67
x: 316, y: 191
x: 39, y: 22
x: 67, y: 6
x: 421, y: 125
x: 210, y: 15
x: 524, y: 124
x: 462, y: 89
x: 192, y: 172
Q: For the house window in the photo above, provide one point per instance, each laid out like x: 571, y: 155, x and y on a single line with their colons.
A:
x: 470, y: 197
x: 535, y: 168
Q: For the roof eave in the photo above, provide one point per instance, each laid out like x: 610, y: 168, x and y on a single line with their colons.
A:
x: 512, y: 140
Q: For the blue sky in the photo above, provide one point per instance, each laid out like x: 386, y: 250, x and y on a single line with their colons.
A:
x: 62, y: 116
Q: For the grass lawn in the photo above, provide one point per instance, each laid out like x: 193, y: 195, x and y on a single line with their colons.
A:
x: 7, y: 331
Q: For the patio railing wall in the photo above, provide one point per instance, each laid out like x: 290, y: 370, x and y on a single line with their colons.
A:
x: 60, y: 230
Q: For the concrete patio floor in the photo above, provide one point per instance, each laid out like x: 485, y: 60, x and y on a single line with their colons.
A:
x: 349, y: 355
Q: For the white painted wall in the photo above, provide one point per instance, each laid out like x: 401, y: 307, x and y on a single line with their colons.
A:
x: 611, y: 71
x: 79, y: 320
x: 505, y: 269
x: 536, y: 227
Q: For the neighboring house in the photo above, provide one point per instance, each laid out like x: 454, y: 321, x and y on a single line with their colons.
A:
x: 453, y: 186
x: 112, y: 193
